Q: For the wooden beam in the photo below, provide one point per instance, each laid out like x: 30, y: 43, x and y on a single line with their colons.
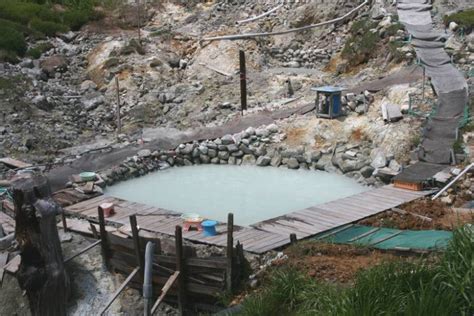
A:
x: 119, y: 290
x: 136, y: 242
x: 180, y: 267
x: 229, y: 251
x: 103, y: 236
x: 165, y: 290
x: 370, y: 232
x: 82, y: 251
x: 385, y: 238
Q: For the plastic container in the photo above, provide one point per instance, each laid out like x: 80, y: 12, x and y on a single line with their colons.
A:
x: 209, y: 228
x: 88, y: 176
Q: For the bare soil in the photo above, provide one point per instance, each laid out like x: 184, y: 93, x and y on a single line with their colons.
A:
x: 332, y: 263
x: 442, y: 217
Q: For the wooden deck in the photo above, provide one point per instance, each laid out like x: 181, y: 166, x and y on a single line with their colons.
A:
x: 323, y: 217
x: 262, y: 236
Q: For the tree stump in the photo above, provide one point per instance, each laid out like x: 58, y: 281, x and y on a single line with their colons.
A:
x: 42, y: 274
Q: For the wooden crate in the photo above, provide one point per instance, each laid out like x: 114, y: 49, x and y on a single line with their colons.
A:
x: 413, y: 186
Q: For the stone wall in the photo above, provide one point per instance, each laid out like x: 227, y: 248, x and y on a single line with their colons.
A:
x: 263, y: 147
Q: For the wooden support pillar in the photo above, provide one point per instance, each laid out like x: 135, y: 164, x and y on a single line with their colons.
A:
x: 243, y: 82
x: 119, y: 119
x: 230, y: 252
x: 41, y: 274
x: 136, y: 243
x: 293, y: 239
x: 103, y: 237
x: 181, y: 268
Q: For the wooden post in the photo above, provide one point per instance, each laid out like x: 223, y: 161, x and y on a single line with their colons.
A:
x: 119, y: 119
x: 136, y: 243
x: 41, y: 274
x: 63, y: 218
x: 424, y: 80
x: 293, y: 239
x: 180, y: 267
x: 230, y: 252
x: 103, y: 237
x: 243, y: 82
x: 138, y: 21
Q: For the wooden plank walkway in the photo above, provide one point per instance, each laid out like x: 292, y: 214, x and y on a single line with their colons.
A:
x: 263, y: 236
x: 323, y: 217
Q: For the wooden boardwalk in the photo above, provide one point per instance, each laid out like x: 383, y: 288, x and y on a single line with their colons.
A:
x: 263, y: 236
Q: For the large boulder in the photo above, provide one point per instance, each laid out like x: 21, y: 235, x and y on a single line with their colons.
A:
x: 53, y: 64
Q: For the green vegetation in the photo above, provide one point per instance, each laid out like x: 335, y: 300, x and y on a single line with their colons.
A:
x: 361, y: 46
x: 34, y: 19
x: 464, y: 19
x: 38, y: 50
x: 395, y: 288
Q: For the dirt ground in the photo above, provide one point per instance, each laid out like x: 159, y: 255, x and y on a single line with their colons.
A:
x: 332, y: 263
x: 442, y: 217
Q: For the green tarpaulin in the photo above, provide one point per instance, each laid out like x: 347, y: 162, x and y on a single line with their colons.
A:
x: 388, y: 238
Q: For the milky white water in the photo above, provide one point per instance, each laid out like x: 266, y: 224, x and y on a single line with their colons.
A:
x: 252, y: 193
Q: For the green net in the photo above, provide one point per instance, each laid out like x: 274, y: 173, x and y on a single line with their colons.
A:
x: 388, y: 238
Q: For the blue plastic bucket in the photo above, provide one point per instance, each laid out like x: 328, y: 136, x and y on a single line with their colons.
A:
x: 209, y: 228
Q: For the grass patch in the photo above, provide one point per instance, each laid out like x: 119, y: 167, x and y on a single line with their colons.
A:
x: 422, y: 287
x: 12, y: 40
x: 464, y: 19
x: 47, y: 28
x: 35, y: 19
x: 39, y: 50
x: 362, y: 44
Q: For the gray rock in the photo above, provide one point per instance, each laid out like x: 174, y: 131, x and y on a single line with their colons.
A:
x: 237, y: 154
x: 203, y: 149
x: 250, y: 131
x: 245, y: 149
x: 92, y: 101
x: 144, y: 153
x: 188, y: 149
x: 351, y: 165
x: 232, y: 148
x: 212, y: 153
x: 394, y: 165
x: 232, y: 160
x: 215, y: 161
x: 41, y: 102
x: 263, y: 161
x: 293, y: 163
x: 227, y: 140
x: 272, y: 128
x: 367, y: 171
x: 262, y: 132
x: 248, y: 160
x: 204, y: 159
x: 379, y: 159
x: 223, y: 155
x: 88, y: 85
x: 276, y: 161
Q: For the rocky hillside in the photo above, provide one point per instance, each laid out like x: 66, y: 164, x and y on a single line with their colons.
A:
x: 172, y: 79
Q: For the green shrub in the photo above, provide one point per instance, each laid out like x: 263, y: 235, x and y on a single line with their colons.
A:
x: 21, y: 12
x: 362, y: 44
x: 12, y: 40
x: 465, y: 19
x: 441, y: 287
x: 47, y: 28
x: 75, y: 18
x: 7, y: 56
x: 39, y: 50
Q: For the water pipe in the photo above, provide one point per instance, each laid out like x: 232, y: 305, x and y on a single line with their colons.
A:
x: 147, y: 278
x: 454, y: 180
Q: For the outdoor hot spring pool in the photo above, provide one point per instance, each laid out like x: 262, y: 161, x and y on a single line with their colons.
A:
x: 252, y: 193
